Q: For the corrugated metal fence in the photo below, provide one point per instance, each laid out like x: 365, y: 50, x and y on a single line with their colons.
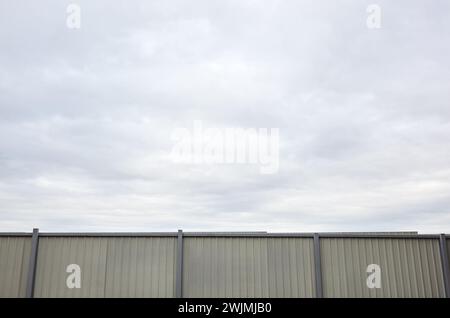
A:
x: 255, y: 264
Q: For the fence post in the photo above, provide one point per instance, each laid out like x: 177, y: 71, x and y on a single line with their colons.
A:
x: 31, y: 278
x: 179, y: 274
x: 445, y: 266
x: 318, y: 266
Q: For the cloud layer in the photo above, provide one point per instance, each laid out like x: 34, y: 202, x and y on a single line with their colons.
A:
x: 86, y: 115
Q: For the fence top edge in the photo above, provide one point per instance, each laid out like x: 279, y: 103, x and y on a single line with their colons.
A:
x: 227, y: 234
x: 16, y: 234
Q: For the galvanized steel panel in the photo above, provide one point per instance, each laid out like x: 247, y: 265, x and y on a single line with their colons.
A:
x: 110, y: 266
x: 409, y: 267
x: 14, y: 262
x: 448, y: 250
x: 222, y: 266
x: 141, y: 267
x: 248, y: 267
x: 56, y: 253
x: 291, y: 267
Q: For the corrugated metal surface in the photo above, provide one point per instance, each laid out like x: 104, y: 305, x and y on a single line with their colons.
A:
x: 56, y: 253
x: 291, y: 267
x: 222, y: 265
x: 409, y: 267
x: 248, y: 267
x: 14, y: 262
x: 448, y: 250
x: 111, y: 267
x: 141, y: 267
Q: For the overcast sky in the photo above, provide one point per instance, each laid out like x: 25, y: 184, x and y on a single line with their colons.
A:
x: 86, y: 115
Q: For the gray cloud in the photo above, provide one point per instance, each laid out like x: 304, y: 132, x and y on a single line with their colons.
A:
x: 86, y: 115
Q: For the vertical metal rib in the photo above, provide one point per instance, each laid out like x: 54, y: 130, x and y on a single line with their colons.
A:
x: 179, y: 278
x: 318, y: 266
x: 445, y: 265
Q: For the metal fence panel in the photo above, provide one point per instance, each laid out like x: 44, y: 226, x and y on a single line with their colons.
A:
x: 248, y: 267
x: 291, y: 267
x: 56, y: 253
x: 14, y: 262
x: 409, y: 267
x: 448, y: 250
x: 141, y: 267
x: 110, y: 266
x: 224, y: 265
